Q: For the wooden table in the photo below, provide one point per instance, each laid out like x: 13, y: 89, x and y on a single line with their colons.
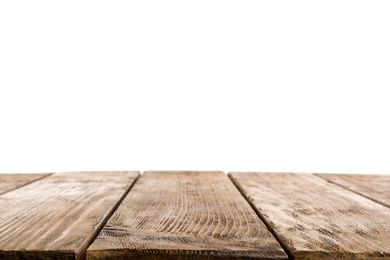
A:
x: 194, y: 215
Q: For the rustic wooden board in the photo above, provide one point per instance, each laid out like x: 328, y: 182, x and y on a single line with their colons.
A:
x: 185, y: 215
x: 372, y: 186
x: 10, y: 182
x: 315, y: 219
x: 59, y: 216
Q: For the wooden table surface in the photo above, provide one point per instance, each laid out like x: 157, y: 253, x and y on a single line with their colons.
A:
x: 194, y: 215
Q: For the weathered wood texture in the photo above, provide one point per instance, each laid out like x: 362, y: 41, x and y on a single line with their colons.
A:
x: 316, y: 219
x: 372, y: 186
x: 60, y: 215
x: 185, y: 215
x: 10, y: 182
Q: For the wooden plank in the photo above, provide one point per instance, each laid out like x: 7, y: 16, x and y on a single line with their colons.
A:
x: 59, y: 216
x: 315, y: 219
x: 10, y: 182
x: 372, y: 186
x: 185, y: 215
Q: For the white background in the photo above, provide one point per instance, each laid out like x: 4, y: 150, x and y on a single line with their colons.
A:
x: 197, y: 85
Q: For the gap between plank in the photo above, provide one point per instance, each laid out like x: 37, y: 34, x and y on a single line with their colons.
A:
x: 268, y: 225
x: 105, y: 219
x: 358, y: 193
x: 44, y: 176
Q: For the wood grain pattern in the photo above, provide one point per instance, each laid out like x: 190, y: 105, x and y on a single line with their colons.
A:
x: 373, y: 186
x: 316, y: 219
x: 59, y: 216
x: 181, y: 215
x: 10, y: 182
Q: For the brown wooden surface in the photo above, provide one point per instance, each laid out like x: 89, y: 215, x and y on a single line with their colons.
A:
x: 10, y: 182
x: 180, y: 215
x: 60, y: 215
x: 316, y: 219
x: 373, y: 186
